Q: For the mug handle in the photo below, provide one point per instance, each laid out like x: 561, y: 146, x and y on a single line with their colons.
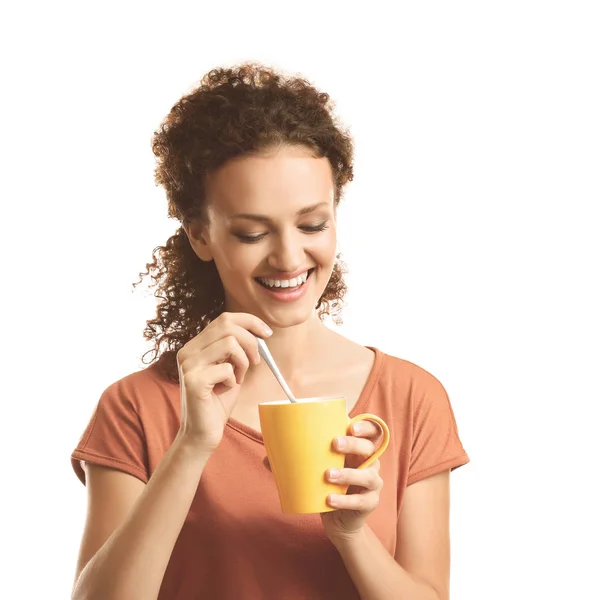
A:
x: 385, y: 438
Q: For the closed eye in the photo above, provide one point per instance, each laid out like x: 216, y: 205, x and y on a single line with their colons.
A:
x: 252, y: 239
x: 314, y: 228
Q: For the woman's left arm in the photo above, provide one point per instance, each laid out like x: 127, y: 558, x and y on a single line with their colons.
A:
x: 421, y: 566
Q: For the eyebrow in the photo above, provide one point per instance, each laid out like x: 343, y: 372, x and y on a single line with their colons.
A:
x: 264, y: 218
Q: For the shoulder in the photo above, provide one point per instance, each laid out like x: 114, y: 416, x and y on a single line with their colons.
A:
x: 417, y: 393
x: 140, y: 389
x: 407, y: 390
x: 406, y: 375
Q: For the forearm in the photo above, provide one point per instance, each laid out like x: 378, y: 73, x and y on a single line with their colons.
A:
x: 132, y: 563
x: 376, y: 574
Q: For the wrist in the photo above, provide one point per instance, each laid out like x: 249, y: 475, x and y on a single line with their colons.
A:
x: 345, y: 542
x: 191, y: 449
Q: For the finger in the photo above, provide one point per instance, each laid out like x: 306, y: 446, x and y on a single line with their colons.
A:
x: 247, y: 321
x: 351, y: 445
x: 207, y: 380
x: 221, y: 327
x: 222, y: 374
x: 365, y: 502
x: 366, y: 429
x: 364, y: 478
x: 227, y: 350
x: 246, y: 340
x: 193, y: 350
x: 375, y: 465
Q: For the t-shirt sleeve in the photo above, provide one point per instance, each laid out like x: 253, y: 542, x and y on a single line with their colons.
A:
x: 436, y: 446
x: 114, y: 437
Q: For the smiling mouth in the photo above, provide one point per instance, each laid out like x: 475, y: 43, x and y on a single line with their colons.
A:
x: 284, y: 285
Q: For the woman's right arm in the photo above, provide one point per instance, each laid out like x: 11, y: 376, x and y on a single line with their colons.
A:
x: 131, y: 527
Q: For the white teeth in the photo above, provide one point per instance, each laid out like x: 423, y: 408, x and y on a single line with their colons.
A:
x: 289, y: 283
x: 285, y: 283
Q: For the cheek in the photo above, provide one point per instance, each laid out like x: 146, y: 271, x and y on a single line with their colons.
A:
x: 324, y: 248
x: 235, y: 263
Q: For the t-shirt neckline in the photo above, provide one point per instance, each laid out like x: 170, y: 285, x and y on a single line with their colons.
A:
x: 359, y: 407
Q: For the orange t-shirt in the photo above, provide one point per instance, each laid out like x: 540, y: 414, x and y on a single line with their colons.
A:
x: 236, y: 542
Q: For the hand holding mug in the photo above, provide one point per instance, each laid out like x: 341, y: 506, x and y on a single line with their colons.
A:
x: 363, y: 494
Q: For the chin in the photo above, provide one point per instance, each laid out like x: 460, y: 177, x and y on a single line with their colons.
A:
x: 280, y: 317
x: 287, y: 319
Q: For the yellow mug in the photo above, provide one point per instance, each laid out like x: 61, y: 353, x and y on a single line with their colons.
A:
x: 298, y: 439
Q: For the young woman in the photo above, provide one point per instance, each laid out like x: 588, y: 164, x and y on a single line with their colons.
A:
x: 181, y: 504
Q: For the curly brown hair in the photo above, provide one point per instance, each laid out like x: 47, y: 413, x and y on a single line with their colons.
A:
x: 235, y: 111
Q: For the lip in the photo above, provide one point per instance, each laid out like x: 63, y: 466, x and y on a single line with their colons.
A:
x: 282, y: 295
x: 285, y: 277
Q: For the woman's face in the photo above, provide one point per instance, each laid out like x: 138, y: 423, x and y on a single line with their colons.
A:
x: 272, y: 233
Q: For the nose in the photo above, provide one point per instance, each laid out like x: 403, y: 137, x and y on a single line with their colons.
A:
x: 287, y: 254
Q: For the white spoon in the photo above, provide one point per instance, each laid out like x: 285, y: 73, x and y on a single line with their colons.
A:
x: 268, y: 359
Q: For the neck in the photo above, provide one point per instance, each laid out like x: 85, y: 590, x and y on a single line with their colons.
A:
x: 292, y: 347
x: 295, y: 350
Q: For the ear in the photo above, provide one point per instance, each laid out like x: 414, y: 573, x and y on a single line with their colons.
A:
x: 196, y: 236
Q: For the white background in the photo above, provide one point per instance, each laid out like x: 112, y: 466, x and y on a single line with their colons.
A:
x: 468, y: 232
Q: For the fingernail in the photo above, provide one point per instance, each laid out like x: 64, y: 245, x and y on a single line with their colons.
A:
x: 332, y: 499
x: 340, y: 443
x: 268, y: 330
x: 357, y: 428
x: 333, y: 473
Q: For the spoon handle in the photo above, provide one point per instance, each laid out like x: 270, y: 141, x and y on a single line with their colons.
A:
x: 268, y: 359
